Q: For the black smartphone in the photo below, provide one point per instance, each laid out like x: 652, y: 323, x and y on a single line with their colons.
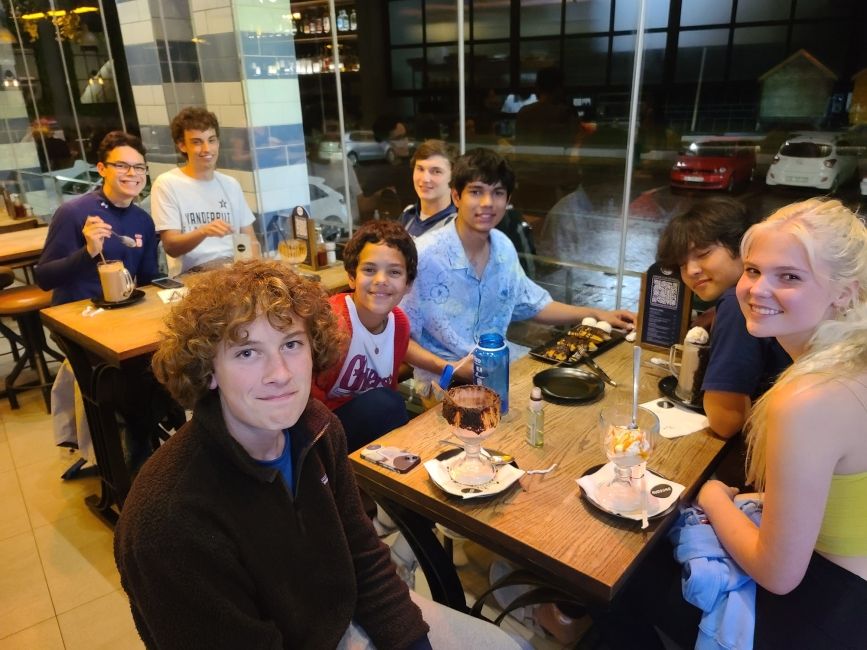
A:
x: 393, y: 458
x: 167, y: 283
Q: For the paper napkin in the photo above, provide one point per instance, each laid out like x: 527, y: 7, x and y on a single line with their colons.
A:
x: 590, y: 483
x: 675, y: 420
x: 439, y: 473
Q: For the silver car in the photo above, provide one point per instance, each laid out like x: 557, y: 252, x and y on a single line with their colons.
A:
x: 362, y: 145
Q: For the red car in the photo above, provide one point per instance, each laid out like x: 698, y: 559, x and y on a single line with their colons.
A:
x: 714, y: 165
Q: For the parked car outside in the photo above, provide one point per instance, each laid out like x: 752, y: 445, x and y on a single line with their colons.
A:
x: 821, y: 160
x: 327, y: 205
x: 362, y: 145
x: 714, y: 165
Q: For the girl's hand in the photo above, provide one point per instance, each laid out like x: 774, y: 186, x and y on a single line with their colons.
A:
x: 714, y: 491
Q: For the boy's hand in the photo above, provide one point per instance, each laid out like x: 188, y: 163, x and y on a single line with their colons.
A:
x: 619, y: 318
x: 464, y: 369
x: 95, y: 230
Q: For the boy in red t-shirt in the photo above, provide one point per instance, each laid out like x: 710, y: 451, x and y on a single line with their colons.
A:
x: 360, y: 388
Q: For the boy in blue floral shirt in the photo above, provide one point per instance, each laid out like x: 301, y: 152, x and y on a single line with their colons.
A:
x: 470, y: 281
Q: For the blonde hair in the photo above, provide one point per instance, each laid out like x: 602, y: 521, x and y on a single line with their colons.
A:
x: 834, y: 239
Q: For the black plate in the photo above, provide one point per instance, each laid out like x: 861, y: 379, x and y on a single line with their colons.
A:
x: 667, y: 386
x: 569, y: 385
x: 539, y: 351
x: 134, y: 297
x: 599, y: 506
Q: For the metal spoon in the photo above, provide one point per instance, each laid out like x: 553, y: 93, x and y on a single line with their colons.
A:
x: 496, y: 459
x: 129, y: 242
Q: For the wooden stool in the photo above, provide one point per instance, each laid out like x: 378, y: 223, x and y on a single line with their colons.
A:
x: 23, y: 304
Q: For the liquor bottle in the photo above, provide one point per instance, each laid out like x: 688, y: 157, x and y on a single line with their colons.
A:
x: 305, y: 22
x: 342, y: 21
x: 353, y: 21
x: 318, y: 23
x: 326, y: 22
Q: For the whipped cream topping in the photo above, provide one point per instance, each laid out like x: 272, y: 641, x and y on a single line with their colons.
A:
x: 697, y: 335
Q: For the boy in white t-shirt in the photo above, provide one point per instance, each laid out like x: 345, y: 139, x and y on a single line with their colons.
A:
x: 195, y: 208
x: 360, y: 388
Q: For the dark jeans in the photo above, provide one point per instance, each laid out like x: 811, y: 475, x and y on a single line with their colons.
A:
x: 370, y: 415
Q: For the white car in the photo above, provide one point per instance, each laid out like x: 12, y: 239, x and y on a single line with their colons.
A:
x: 821, y: 160
x: 327, y: 206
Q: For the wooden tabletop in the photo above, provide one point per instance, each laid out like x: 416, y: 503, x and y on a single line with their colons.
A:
x: 22, y: 244
x: 544, y: 523
x: 120, y: 334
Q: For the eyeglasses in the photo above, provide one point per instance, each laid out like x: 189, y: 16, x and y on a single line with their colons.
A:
x: 124, y: 168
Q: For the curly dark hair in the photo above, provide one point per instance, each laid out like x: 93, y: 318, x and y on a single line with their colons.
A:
x: 193, y: 118
x: 216, y: 310
x: 389, y: 233
x: 715, y: 220
x: 482, y: 165
x: 115, y: 139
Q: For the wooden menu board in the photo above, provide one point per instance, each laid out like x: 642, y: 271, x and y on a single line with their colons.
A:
x: 664, y: 309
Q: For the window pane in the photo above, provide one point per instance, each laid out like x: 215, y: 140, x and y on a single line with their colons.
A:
x: 406, y: 68
x: 713, y: 43
x: 764, y: 10
x: 542, y: 18
x: 491, y: 65
x: 589, y: 16
x: 822, y: 8
x: 701, y: 12
x: 592, y: 53
x: 442, y: 66
x: 821, y: 40
x: 623, y: 54
x: 536, y: 55
x: 756, y: 50
x: 626, y: 14
x: 405, y: 20
x: 491, y: 19
x: 441, y: 20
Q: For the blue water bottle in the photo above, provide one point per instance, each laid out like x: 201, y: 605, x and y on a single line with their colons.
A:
x: 491, y: 367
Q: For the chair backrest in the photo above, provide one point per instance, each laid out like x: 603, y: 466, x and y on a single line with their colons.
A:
x: 15, y: 226
x: 389, y: 205
x: 519, y: 231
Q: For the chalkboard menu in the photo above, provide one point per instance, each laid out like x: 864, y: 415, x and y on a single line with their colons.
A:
x: 664, y: 308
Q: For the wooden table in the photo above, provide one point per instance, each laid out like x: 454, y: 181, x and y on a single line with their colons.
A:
x: 22, y: 246
x: 544, y: 524
x: 108, y: 351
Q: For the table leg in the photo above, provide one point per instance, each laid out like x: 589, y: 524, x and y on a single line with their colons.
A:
x: 445, y: 586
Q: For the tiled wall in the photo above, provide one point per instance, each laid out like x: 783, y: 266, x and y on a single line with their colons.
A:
x: 237, y: 58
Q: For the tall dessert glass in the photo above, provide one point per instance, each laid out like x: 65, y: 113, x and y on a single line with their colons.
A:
x: 473, y: 412
x: 626, y: 448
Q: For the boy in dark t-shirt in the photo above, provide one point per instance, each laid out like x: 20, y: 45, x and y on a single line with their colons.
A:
x: 704, y: 243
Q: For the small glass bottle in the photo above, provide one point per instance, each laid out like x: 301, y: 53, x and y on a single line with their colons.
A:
x: 536, y: 419
x: 321, y: 255
x: 353, y: 21
x: 330, y: 252
x: 326, y: 22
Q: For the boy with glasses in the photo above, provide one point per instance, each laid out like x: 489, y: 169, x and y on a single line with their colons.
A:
x: 81, y: 230
x: 197, y: 209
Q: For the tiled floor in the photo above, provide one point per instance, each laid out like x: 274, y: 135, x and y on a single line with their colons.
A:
x: 59, y: 587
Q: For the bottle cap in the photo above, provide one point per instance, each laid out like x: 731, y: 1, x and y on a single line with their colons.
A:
x: 446, y: 376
